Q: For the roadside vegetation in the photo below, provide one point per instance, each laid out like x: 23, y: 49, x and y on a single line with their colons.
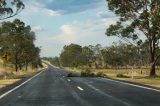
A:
x: 135, y: 58
x: 17, y: 41
x: 118, y: 61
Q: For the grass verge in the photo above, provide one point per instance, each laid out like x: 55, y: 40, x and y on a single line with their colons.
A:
x: 13, y: 77
x: 137, y: 76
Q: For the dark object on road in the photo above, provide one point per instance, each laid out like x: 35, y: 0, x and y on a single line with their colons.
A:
x: 73, y: 75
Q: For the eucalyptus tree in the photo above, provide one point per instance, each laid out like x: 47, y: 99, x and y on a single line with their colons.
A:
x: 18, y: 40
x: 87, y: 56
x: 71, y: 55
x: 10, y: 8
x: 138, y: 18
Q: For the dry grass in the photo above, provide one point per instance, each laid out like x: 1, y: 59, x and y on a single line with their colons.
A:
x: 10, y: 76
x: 6, y: 82
x: 133, y: 75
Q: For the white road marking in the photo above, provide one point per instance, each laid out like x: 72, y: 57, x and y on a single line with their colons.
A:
x: 19, y: 96
x: 105, y: 94
x: 10, y: 91
x: 81, y: 89
x: 69, y: 80
x: 132, y: 85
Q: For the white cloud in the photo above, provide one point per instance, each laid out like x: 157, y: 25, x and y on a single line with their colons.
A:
x: 105, y: 14
x: 38, y: 29
x: 67, y: 34
x: 33, y: 7
x: 53, y: 13
x: 83, y: 33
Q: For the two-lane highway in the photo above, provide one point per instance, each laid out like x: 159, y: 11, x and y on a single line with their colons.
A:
x: 53, y: 88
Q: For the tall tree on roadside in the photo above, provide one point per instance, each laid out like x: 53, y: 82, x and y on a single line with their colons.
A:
x: 71, y: 55
x: 18, y: 40
x: 87, y: 56
x: 137, y: 17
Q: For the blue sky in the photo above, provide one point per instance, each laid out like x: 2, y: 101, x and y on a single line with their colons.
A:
x: 61, y: 22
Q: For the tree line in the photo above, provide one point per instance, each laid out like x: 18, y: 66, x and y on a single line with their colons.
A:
x: 16, y: 38
x: 118, y: 55
x: 139, y: 22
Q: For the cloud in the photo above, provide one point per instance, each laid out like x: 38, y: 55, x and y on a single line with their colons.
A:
x: 83, y: 33
x: 67, y: 34
x: 33, y: 7
x: 69, y: 6
x: 105, y: 14
x: 53, y: 13
x: 38, y: 29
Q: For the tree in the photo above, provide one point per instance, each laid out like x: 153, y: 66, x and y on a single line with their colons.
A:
x: 87, y: 56
x: 71, y: 55
x: 17, y: 39
x: 137, y: 17
x: 11, y: 8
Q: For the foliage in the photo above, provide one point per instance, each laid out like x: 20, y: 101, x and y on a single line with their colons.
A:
x: 55, y: 60
x: 120, y: 75
x: 87, y: 73
x: 17, y: 39
x: 71, y: 55
x: 10, y: 8
x: 100, y: 74
x: 115, y: 56
x: 136, y: 19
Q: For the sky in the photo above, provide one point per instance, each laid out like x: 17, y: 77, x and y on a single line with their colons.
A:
x: 62, y: 22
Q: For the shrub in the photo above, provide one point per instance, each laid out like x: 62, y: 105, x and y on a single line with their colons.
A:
x: 100, y: 74
x: 120, y: 75
x: 87, y: 73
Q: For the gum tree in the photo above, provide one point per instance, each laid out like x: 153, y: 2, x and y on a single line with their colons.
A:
x: 138, y: 18
x: 10, y: 8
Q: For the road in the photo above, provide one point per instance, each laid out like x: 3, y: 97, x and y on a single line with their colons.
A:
x: 53, y: 88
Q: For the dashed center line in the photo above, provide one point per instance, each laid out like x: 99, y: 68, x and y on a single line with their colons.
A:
x: 69, y: 80
x: 81, y: 89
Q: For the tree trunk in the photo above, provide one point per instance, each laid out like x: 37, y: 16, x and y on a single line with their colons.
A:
x: 16, y: 62
x: 152, y: 58
x: 152, y: 70
x: 20, y: 66
x: 26, y: 66
x: 16, y: 67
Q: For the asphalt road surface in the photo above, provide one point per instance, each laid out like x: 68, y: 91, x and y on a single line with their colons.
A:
x: 53, y: 88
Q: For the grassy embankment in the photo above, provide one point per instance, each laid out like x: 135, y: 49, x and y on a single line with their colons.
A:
x: 9, y: 76
x: 139, y: 76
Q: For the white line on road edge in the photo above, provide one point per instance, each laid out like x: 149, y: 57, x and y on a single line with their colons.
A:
x: 133, y: 85
x: 81, y: 89
x: 10, y: 91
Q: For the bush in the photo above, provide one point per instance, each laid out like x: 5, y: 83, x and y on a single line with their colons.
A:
x: 120, y: 75
x: 87, y: 73
x: 100, y: 74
